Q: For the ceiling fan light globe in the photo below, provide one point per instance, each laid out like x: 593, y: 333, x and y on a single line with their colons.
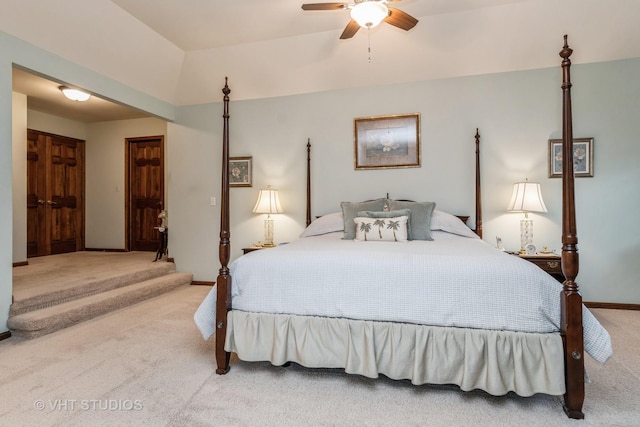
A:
x: 368, y: 14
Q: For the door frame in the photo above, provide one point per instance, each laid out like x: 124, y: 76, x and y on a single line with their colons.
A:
x: 127, y: 182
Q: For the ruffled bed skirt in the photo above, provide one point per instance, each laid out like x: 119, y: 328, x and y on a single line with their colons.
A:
x: 494, y: 361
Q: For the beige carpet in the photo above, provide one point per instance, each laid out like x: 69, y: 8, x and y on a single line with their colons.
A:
x: 57, y: 291
x: 64, y: 276
x: 147, y: 365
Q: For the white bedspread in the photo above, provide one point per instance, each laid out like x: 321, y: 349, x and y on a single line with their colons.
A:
x: 454, y: 281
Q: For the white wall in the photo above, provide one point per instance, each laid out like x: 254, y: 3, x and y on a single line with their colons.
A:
x: 516, y: 112
x: 19, y: 174
x: 105, y: 178
x: 44, y: 122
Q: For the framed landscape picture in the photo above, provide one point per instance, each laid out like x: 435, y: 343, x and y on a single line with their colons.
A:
x: 240, y: 171
x: 582, y: 157
x: 384, y: 142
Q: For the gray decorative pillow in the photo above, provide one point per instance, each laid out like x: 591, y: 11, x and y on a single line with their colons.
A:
x: 420, y: 221
x: 350, y: 211
x: 388, y: 214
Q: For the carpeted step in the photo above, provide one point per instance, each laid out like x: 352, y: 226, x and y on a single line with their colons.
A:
x: 91, y: 283
x: 44, y: 321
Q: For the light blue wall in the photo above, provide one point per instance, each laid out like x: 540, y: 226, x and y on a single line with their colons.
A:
x: 6, y: 214
x: 517, y: 114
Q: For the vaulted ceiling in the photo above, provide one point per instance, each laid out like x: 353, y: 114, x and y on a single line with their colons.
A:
x: 179, y: 51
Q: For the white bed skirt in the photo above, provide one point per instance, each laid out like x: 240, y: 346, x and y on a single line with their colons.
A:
x: 494, y: 361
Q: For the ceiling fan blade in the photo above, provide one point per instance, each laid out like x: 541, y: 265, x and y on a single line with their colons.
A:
x: 324, y: 6
x: 350, y: 30
x: 400, y: 19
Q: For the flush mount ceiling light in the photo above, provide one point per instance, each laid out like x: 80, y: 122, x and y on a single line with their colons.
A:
x: 74, y: 94
x: 368, y: 14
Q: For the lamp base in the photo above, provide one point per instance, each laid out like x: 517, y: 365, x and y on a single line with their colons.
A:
x: 526, y: 234
x: 268, y: 233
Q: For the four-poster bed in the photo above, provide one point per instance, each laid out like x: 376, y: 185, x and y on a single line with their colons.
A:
x: 385, y: 331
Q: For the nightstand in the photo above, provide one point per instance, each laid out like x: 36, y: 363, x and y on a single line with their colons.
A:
x: 254, y: 248
x: 551, y: 263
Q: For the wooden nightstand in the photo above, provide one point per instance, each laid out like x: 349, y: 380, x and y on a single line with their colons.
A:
x: 551, y: 263
x: 254, y: 248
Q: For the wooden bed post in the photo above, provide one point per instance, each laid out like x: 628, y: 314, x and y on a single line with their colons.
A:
x: 478, y: 192
x: 571, y: 301
x: 223, y: 303
x: 308, y: 181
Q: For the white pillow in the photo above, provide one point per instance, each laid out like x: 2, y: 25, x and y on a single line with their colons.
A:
x: 328, y: 223
x: 451, y: 224
x: 382, y: 229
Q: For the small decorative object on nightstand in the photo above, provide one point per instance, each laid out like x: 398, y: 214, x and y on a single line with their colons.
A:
x: 549, y: 262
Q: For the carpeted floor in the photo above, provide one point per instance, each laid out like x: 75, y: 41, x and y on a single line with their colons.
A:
x: 147, y: 365
x: 57, y: 291
x: 67, y: 272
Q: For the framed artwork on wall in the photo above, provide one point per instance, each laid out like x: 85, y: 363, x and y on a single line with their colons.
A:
x: 582, y: 157
x: 240, y: 171
x: 384, y: 142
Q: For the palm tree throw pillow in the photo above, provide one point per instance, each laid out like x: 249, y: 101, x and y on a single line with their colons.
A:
x: 382, y: 229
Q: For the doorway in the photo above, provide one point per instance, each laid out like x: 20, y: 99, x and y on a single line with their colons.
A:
x: 145, y: 192
x: 55, y: 194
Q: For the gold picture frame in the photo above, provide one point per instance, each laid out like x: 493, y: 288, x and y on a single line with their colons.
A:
x: 384, y: 142
x: 241, y: 171
x: 582, y: 157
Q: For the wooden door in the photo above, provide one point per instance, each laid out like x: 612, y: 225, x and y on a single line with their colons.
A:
x: 145, y: 165
x: 55, y: 194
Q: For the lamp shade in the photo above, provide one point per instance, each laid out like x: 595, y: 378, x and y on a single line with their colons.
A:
x: 268, y: 202
x: 526, y: 197
x: 368, y: 14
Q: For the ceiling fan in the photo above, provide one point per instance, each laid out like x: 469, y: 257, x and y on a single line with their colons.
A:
x: 368, y: 14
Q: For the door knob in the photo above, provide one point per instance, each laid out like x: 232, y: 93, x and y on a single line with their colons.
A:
x: 51, y: 202
x: 40, y: 202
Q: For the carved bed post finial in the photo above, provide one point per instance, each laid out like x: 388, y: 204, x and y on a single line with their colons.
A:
x: 566, y: 51
x: 571, y: 326
x: 223, y: 282
x: 308, y: 181
x: 478, y: 192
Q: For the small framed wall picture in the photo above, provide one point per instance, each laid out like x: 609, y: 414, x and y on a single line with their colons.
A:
x: 582, y: 157
x: 240, y: 171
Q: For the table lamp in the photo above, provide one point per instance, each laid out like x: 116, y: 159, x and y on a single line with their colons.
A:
x: 268, y: 202
x: 526, y: 198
